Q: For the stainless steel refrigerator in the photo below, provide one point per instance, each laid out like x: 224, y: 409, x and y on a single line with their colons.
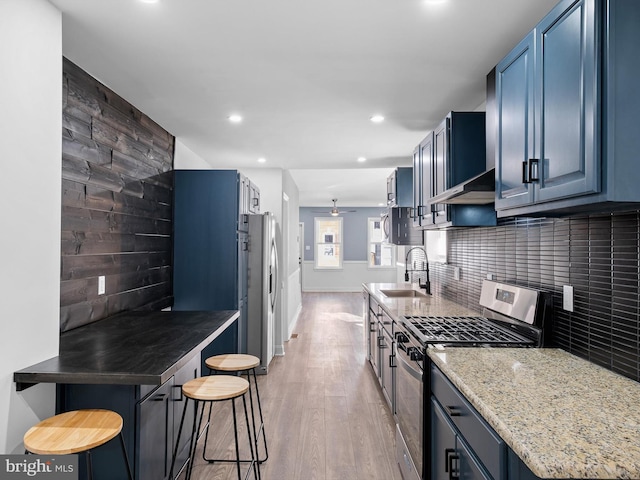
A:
x: 262, y: 288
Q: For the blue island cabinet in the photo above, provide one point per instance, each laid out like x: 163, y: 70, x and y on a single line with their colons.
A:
x: 567, y: 102
x: 211, y: 209
x: 151, y: 417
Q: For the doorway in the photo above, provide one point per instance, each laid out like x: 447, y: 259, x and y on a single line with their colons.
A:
x: 300, y: 253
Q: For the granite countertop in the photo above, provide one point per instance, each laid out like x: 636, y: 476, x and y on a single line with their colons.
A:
x: 563, y: 416
x: 131, y: 348
x: 397, y: 307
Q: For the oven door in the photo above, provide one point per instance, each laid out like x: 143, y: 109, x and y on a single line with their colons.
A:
x: 409, y: 406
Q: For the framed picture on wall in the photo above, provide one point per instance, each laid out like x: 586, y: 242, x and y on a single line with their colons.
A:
x: 328, y: 238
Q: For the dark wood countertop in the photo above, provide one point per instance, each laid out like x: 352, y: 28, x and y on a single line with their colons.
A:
x: 131, y: 348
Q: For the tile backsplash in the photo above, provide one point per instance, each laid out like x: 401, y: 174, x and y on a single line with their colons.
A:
x: 598, y: 255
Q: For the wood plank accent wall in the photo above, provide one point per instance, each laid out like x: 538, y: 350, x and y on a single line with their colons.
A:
x: 117, y: 194
x: 598, y: 254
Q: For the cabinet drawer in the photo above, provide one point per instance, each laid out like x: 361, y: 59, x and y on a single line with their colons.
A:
x: 485, y: 443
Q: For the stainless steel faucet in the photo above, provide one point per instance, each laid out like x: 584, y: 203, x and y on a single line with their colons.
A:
x: 424, y: 268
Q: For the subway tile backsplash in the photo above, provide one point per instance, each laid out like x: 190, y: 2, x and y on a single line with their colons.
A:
x: 598, y: 254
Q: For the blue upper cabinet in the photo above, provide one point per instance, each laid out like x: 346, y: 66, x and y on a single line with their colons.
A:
x: 440, y: 168
x: 400, y: 187
x: 567, y: 103
x: 515, y: 125
x: 452, y: 154
x: 423, y: 182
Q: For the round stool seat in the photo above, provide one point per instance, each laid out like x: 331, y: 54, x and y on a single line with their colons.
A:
x: 218, y: 387
x: 232, y: 362
x: 73, y: 432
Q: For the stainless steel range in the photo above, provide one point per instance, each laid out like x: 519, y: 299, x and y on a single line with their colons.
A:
x: 512, y: 316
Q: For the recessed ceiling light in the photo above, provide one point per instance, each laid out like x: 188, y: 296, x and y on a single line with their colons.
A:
x: 262, y: 160
x: 149, y: 1
x: 377, y: 118
x: 362, y: 159
x: 235, y: 118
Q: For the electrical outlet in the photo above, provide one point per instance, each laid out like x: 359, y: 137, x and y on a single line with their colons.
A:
x: 101, y: 285
x: 567, y: 298
x: 491, y: 276
x: 456, y: 273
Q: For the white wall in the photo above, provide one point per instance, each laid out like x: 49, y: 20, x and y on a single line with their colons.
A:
x: 31, y: 153
x: 186, y: 159
x: 291, y: 234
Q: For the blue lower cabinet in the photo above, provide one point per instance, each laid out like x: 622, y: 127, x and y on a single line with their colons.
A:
x: 451, y: 457
x: 462, y: 444
x: 443, y: 444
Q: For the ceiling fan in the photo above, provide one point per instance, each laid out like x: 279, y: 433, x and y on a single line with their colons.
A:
x: 334, y: 212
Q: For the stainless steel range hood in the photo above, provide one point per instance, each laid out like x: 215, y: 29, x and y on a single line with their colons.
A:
x: 479, y: 190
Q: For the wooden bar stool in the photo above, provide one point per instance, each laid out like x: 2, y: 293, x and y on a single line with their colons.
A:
x: 243, y: 364
x: 78, y: 431
x: 207, y: 390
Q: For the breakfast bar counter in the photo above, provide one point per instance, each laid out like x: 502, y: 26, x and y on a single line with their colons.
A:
x: 131, y: 348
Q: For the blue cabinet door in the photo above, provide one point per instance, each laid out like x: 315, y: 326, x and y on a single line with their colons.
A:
x: 440, y: 174
x: 444, y: 457
x: 417, y: 187
x: 515, y: 125
x: 469, y: 468
x: 567, y: 106
x: 427, y: 173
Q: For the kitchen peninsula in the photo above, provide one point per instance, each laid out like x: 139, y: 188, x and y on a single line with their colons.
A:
x: 133, y: 363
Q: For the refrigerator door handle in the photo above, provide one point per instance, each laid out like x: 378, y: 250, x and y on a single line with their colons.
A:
x: 274, y: 273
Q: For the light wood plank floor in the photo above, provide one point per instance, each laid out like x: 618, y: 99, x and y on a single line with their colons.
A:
x: 325, y: 416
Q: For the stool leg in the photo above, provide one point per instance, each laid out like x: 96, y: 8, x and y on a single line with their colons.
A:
x: 175, y: 449
x: 89, y: 469
x: 254, y: 463
x: 126, y: 457
x: 206, y: 437
x: 235, y: 434
x: 194, y: 438
x: 264, y: 435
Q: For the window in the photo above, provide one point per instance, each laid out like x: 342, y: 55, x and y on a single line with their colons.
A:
x: 381, y: 255
x: 328, y: 233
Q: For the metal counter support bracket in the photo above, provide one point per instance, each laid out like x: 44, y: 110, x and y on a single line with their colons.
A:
x: 20, y: 386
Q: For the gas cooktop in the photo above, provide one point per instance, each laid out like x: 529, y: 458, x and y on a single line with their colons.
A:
x: 511, y: 316
x: 462, y: 331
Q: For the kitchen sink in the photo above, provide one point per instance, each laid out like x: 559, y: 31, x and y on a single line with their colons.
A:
x: 403, y: 293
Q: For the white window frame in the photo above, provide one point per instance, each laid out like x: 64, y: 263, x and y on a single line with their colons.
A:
x: 318, y: 244
x: 382, y: 243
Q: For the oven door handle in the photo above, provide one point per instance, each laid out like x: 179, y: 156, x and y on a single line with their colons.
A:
x: 415, y: 373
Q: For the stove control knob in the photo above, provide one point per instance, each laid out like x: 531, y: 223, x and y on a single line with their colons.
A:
x: 415, y: 354
x: 401, y: 338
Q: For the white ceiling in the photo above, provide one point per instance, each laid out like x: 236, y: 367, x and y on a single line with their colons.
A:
x: 306, y: 75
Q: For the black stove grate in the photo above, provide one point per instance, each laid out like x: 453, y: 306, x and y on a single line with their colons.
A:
x: 462, y: 331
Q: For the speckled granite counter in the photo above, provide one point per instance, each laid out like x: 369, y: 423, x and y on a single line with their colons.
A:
x: 563, y: 416
x: 399, y: 306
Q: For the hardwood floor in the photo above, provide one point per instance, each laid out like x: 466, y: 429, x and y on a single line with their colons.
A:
x: 325, y: 416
